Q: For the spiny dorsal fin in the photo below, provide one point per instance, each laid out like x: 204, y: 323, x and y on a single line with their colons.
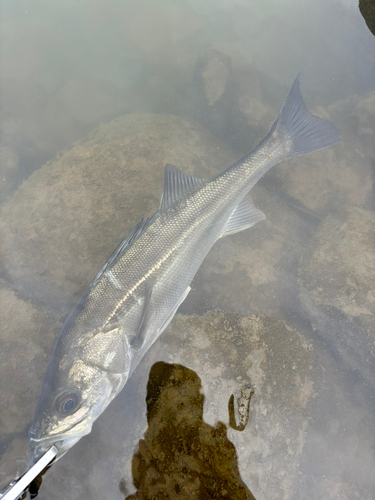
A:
x: 243, y: 217
x: 176, y: 184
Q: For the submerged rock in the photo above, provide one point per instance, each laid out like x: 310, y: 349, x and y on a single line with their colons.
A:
x: 66, y: 219
x: 212, y: 98
x: 339, y: 267
x: 85, y: 103
x: 23, y: 358
x: 8, y: 171
x: 228, y: 352
x: 215, y: 70
x: 337, y: 271
x: 61, y: 225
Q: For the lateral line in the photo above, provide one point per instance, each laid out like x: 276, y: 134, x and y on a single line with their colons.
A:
x: 142, y: 280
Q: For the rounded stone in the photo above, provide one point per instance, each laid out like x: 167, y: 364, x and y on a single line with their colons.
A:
x: 64, y: 221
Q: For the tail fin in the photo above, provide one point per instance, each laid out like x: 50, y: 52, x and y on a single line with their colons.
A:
x: 295, y: 123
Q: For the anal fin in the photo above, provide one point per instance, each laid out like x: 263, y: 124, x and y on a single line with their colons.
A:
x: 243, y: 217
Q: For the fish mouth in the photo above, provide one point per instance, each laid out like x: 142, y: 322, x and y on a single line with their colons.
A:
x: 38, y: 447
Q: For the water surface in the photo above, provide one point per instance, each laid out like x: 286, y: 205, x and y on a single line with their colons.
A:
x: 196, y: 85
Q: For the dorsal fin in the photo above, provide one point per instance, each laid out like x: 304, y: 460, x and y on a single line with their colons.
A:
x: 176, y: 184
x: 135, y: 233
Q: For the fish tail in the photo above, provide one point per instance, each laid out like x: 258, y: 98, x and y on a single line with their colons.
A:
x: 302, y: 131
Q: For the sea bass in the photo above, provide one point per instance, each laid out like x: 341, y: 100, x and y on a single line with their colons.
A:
x: 137, y: 292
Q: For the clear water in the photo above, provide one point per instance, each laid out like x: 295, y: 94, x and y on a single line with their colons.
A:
x: 196, y: 84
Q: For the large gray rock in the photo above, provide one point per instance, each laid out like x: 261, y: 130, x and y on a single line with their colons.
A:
x: 27, y: 335
x: 227, y: 352
x: 337, y: 272
x: 65, y: 220
x: 339, y: 266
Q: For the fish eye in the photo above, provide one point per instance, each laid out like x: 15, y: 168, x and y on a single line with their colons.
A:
x: 67, y: 403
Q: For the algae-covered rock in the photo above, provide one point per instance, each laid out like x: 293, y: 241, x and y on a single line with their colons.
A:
x: 22, y: 358
x: 26, y: 338
x: 64, y: 221
x: 337, y: 274
x: 338, y: 268
x: 61, y: 225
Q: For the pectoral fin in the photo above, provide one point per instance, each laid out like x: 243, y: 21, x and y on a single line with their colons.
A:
x: 173, y: 312
x: 108, y: 350
x: 140, y: 336
x: 243, y: 217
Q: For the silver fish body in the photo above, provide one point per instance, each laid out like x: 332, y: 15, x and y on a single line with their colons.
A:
x: 137, y: 292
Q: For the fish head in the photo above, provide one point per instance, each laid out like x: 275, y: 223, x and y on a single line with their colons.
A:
x: 82, y: 378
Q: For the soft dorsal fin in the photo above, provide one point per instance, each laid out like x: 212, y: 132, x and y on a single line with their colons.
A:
x: 243, y: 217
x: 126, y: 242
x: 176, y: 184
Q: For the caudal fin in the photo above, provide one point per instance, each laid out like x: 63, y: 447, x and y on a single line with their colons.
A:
x: 305, y: 131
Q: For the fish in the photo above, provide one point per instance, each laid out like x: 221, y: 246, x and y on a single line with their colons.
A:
x: 136, y: 293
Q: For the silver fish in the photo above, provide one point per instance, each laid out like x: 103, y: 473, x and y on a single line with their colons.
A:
x: 137, y: 292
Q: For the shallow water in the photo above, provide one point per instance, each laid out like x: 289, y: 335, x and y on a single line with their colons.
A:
x: 286, y: 307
